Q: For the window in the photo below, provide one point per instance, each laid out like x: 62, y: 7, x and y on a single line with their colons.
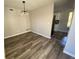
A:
x: 69, y: 19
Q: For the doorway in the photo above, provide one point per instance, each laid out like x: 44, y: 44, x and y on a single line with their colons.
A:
x: 61, y: 24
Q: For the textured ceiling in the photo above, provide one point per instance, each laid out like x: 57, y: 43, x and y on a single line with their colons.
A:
x: 31, y: 4
x: 60, y: 2
x: 62, y: 5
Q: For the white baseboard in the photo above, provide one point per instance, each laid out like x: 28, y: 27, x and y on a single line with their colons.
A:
x: 41, y: 34
x: 26, y: 32
x: 66, y: 52
x: 17, y: 34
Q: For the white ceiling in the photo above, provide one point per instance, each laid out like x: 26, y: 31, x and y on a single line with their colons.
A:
x: 32, y: 4
x: 62, y: 5
x: 59, y: 2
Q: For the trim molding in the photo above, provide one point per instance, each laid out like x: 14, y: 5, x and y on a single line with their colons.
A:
x: 17, y: 34
x: 42, y: 35
x: 66, y: 52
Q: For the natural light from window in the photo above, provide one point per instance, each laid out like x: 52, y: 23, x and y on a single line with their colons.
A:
x: 69, y: 19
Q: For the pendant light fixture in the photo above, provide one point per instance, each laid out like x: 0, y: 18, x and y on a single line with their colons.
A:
x: 24, y: 11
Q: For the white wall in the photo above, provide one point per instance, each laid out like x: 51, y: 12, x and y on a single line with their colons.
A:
x: 63, y: 19
x: 15, y: 22
x: 70, y: 45
x: 41, y: 20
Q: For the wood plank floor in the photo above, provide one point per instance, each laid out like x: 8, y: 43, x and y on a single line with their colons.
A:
x: 33, y: 46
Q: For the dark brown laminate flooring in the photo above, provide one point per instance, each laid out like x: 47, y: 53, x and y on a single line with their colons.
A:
x: 59, y: 35
x: 33, y: 46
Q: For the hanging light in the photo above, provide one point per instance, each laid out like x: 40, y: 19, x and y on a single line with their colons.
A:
x: 24, y: 11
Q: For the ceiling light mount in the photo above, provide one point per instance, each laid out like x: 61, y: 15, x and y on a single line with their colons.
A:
x: 11, y: 9
x: 23, y: 1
